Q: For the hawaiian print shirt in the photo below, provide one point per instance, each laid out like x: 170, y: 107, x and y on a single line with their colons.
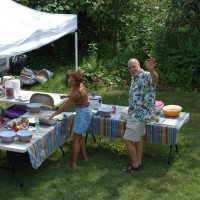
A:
x: 142, y: 97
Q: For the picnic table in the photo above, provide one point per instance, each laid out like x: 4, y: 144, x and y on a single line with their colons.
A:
x: 164, y: 133
x: 43, y: 143
x: 49, y: 138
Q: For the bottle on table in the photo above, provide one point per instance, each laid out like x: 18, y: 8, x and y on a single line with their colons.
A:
x: 157, y: 118
x: 37, y: 124
x: 14, y: 126
x: 25, y: 122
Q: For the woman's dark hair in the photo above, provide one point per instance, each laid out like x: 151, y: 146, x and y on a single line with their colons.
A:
x: 76, y: 75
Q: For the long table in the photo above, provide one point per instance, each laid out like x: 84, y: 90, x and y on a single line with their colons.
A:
x: 56, y: 97
x: 49, y: 138
x: 44, y: 142
x: 156, y: 133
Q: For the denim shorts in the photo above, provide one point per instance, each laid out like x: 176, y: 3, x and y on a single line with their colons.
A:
x: 82, y: 120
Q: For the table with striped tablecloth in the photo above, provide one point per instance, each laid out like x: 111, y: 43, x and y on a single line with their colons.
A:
x: 165, y: 134
x: 44, y: 142
x: 114, y: 127
x: 111, y: 127
x: 48, y: 139
x: 156, y: 133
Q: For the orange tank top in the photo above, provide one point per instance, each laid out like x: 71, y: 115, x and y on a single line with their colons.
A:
x: 83, y: 100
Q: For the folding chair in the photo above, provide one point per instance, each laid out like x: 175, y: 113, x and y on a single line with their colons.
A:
x: 16, y: 111
x: 45, y: 99
x: 47, y: 104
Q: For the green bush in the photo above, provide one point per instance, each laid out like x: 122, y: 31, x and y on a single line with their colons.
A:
x: 167, y: 30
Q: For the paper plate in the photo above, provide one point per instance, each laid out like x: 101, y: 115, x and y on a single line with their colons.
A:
x: 105, y: 109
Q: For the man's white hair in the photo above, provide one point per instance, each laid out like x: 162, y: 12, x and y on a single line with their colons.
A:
x: 134, y: 60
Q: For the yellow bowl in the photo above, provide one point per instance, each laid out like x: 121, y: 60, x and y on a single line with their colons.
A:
x: 172, y: 110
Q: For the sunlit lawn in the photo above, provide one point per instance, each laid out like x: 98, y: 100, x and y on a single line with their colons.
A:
x: 102, y: 177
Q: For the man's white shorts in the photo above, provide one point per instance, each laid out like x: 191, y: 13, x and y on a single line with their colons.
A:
x: 134, y: 131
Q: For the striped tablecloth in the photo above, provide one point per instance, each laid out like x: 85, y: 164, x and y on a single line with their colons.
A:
x: 48, y: 139
x: 108, y: 126
x: 44, y: 142
x: 165, y: 134
x: 114, y: 127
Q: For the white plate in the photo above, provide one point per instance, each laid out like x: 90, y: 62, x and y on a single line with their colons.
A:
x: 105, y: 109
x: 23, y: 98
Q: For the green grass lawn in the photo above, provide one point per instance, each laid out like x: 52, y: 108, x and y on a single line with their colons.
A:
x: 101, y: 178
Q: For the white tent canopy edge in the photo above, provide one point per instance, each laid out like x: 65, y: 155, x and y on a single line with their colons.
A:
x: 24, y: 29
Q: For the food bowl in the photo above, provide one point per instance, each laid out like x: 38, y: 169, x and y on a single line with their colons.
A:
x: 158, y: 106
x: 172, y: 110
x: 24, y: 135
x: 7, y: 136
x: 34, y: 107
x: 105, y: 111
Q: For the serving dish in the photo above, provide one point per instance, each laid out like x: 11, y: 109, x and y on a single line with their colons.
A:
x: 46, y: 120
x: 172, y: 110
x: 7, y: 136
x: 34, y: 107
x: 25, y: 135
x: 105, y: 111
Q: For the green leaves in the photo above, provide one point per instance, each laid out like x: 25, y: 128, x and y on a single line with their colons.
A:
x: 167, y: 30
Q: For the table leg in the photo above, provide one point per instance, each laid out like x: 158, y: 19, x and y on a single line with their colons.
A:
x: 169, y: 155
x: 176, y: 148
x: 170, y: 151
x: 62, y: 151
x: 87, y: 138
x: 94, y: 138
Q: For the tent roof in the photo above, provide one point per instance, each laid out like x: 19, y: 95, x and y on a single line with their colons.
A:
x: 24, y: 29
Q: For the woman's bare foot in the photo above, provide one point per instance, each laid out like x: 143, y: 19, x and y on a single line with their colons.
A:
x: 72, y: 165
x: 85, y: 159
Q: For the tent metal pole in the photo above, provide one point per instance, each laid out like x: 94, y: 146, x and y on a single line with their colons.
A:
x: 7, y: 64
x: 76, y: 50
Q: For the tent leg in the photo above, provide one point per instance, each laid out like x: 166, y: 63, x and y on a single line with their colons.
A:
x: 76, y: 51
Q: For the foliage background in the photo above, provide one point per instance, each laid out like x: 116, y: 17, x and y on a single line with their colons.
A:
x: 112, y: 31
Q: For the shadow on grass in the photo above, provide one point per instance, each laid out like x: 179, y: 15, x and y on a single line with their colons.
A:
x: 102, y: 177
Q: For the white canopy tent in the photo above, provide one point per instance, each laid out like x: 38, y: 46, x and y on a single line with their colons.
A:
x: 23, y: 29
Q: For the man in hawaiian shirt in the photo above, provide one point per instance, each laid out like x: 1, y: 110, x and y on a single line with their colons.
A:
x: 142, y: 96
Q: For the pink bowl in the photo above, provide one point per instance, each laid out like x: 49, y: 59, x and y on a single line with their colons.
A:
x: 158, y: 106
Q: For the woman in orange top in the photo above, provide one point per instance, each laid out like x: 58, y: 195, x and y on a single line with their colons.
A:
x: 79, y: 97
